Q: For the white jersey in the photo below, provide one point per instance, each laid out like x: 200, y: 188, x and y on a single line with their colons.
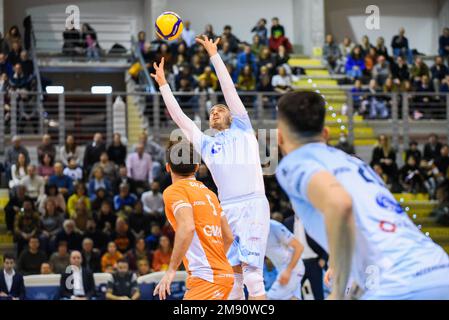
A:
x: 392, y: 256
x: 278, y: 249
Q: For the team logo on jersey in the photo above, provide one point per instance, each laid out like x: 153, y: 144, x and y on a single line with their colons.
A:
x: 216, y: 147
x: 212, y: 231
x: 387, y: 226
x: 388, y: 203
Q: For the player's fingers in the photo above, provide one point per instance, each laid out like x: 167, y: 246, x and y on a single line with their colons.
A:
x: 153, y: 75
x: 155, y: 66
x: 217, y: 41
x: 206, y: 38
x: 199, y: 40
x: 161, y: 65
x: 156, y: 290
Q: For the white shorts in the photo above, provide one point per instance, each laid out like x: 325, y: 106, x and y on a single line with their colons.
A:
x: 249, y: 220
x: 292, y: 289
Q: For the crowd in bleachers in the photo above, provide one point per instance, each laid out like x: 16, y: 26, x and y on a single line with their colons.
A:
x: 400, y: 70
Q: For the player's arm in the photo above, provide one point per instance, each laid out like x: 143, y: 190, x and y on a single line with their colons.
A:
x: 184, y: 234
x: 288, y: 239
x: 188, y: 127
x: 226, y: 232
x: 330, y: 198
x: 227, y: 85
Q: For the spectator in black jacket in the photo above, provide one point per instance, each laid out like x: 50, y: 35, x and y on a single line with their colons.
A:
x: 124, y: 179
x: 443, y: 42
x: 124, y: 284
x: 413, y: 151
x: 30, y: 259
x: 442, y: 162
x: 69, y: 235
x: 91, y: 256
x: 117, y: 150
x: 400, y: 46
x: 432, y: 148
x: 399, y: 70
x: 99, y: 237
x: 93, y: 152
x: 438, y: 71
x: 11, y: 283
x: 385, y: 155
x: 13, y: 207
x: 82, y: 285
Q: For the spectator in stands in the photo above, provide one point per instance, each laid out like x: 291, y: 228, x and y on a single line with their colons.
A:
x: 445, y: 84
x: 209, y: 77
x: 282, y: 82
x: 419, y: 69
x: 358, y: 97
x: 411, y: 177
x: 246, y: 80
x: 442, y: 162
x: 346, y: 48
x: 355, y: 64
x: 100, y: 196
x: 152, y: 201
x: 19, y: 80
x: 443, y: 45
x: 13, y: 35
x: 124, y: 179
x: 164, y: 52
x: 124, y: 198
x: 99, y: 237
x: 161, y: 257
x: 27, y: 63
x: 12, y: 285
x: 139, y: 165
x: 266, y: 60
x: 81, y: 216
x: 46, y: 147
x: 78, y: 195
x: 276, y: 28
x: 196, y: 66
x: 26, y: 224
x: 246, y: 57
x: 344, y: 145
x: 188, y: 34
x: 256, y: 46
x: 184, y: 74
x: 68, y: 234
x: 46, y: 169
x: 122, y: 236
x: 46, y: 268
x: 30, y: 260
x: 400, y: 46
x: 51, y: 224
x: 14, y: 53
x: 13, y: 207
x: 141, y: 40
x: 60, y: 259
x: 72, y: 44
x: 111, y: 256
x: 28, y: 118
x: 18, y: 171
x: 73, y: 171
x: 143, y: 268
x: 117, y: 150
x: 105, y: 218
x: 399, y: 71
x: 35, y: 184
x: 413, y: 151
x: 229, y: 57
x: 52, y: 194
x: 432, y: 148
x: 91, y: 256
x: 137, y: 254
x: 381, y: 49
x: 385, y: 155
x: 441, y: 212
x: 4, y: 87
x: 381, y: 70
x: 90, y: 42
x: 63, y: 182
x: 124, y: 284
x: 260, y: 29
x: 228, y: 36
x: 156, y: 151
x: 139, y: 223
x: 376, y: 104
x: 93, y: 152
x: 4, y: 46
x: 438, y: 72
x: 98, y: 181
x: 264, y: 80
x: 83, y: 285
x: 423, y: 85
x: 12, y: 154
x: 109, y: 167
x: 281, y: 58
x: 152, y: 241
x: 370, y: 60
x: 276, y: 41
x: 5, y: 66
x: 365, y: 45
x: 209, y: 31
x: 70, y: 150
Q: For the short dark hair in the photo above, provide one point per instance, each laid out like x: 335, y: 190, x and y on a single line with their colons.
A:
x: 8, y: 256
x: 122, y: 260
x: 303, y: 112
x: 227, y: 27
x: 182, y: 158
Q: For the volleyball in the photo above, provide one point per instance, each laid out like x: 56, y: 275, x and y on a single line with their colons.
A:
x: 169, y: 26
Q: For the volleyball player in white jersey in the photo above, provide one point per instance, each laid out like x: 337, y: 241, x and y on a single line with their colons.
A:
x: 232, y: 156
x: 285, y: 251
x: 347, y: 209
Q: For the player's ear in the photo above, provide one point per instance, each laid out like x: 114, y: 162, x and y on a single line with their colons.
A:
x: 325, y: 133
x: 167, y: 167
x: 197, y: 167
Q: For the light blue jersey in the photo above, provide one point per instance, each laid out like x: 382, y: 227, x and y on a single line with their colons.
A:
x: 392, y: 256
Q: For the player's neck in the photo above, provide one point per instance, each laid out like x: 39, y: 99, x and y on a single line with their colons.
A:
x: 176, y: 178
x: 291, y: 146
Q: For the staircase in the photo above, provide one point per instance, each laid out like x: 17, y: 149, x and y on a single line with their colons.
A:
x: 317, y: 78
x: 6, y: 242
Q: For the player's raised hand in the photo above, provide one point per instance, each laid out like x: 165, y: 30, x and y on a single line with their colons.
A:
x: 159, y: 75
x: 163, y: 286
x: 209, y: 44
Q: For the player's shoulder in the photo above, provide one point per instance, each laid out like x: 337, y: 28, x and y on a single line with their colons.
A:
x: 174, y: 189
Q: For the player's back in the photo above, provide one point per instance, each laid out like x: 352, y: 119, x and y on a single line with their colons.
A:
x: 206, y: 257
x: 391, y: 254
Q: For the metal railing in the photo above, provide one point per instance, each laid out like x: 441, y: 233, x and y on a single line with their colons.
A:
x: 144, y: 76
x: 37, y: 74
x: 83, y: 114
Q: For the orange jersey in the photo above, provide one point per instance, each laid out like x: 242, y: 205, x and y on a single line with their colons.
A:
x: 205, y: 258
